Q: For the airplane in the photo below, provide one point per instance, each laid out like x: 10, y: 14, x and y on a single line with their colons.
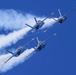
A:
x: 62, y: 18
x: 38, y: 24
x: 42, y: 44
x: 18, y: 51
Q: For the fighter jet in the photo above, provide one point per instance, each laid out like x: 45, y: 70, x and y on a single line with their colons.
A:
x: 42, y: 44
x: 18, y: 51
x: 38, y: 24
x: 62, y: 18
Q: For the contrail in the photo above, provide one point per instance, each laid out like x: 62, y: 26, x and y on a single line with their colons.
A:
x: 15, y: 60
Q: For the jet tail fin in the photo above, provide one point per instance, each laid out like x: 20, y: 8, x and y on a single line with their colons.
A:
x: 37, y: 39
x: 35, y: 19
x: 59, y: 12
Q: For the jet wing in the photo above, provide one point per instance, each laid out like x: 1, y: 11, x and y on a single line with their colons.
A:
x: 54, y: 19
x: 8, y: 59
x: 44, y: 19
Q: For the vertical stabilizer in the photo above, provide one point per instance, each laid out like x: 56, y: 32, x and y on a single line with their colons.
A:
x: 35, y: 19
x: 59, y: 12
x: 37, y: 39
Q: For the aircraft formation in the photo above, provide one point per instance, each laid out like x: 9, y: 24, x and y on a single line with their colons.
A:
x: 37, y: 26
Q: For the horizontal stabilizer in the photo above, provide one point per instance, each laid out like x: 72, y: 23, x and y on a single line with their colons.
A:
x: 28, y: 25
x: 9, y: 52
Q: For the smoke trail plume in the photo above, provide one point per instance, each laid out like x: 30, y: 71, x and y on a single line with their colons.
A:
x: 7, y: 40
x: 15, y: 60
x: 12, y: 20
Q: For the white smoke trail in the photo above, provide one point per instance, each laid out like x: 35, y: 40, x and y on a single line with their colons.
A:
x: 49, y: 22
x: 7, y: 40
x: 11, y: 19
x: 15, y: 60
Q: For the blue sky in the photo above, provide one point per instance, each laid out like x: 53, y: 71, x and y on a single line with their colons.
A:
x: 59, y: 55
